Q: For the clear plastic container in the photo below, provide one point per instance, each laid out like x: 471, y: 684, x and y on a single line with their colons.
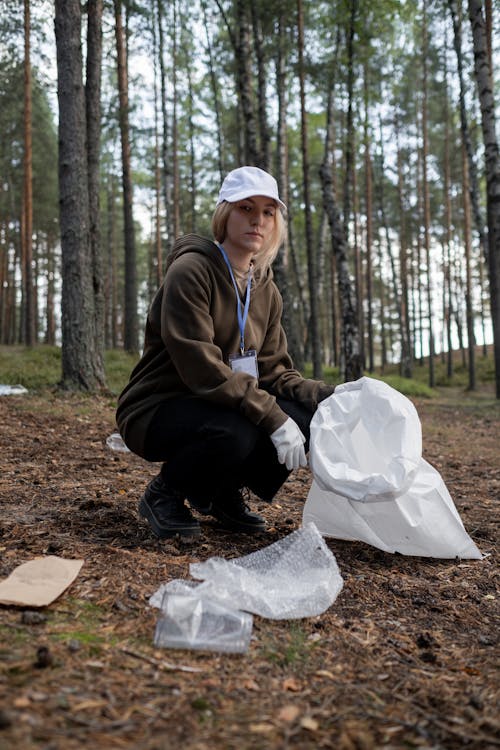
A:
x: 115, y: 442
x: 191, y: 621
x: 12, y: 390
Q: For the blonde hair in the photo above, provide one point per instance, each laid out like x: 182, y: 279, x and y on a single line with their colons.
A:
x: 265, y: 257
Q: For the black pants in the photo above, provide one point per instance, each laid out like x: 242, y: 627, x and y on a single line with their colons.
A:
x: 208, y: 449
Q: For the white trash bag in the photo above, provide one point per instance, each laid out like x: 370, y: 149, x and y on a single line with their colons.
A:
x: 371, y: 483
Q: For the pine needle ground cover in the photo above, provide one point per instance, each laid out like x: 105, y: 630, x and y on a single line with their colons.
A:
x: 405, y: 658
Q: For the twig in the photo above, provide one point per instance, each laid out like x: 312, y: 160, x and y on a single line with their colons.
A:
x: 162, y: 664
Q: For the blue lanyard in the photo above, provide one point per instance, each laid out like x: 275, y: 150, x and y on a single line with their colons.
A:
x: 241, y: 311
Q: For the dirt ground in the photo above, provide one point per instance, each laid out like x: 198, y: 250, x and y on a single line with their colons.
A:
x: 406, y: 657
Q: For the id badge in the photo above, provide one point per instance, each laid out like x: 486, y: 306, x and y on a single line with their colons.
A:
x: 246, y: 362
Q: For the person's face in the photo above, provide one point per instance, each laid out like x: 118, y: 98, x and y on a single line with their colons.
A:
x: 250, y: 225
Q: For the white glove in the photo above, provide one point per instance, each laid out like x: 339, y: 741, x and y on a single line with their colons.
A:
x: 289, y: 443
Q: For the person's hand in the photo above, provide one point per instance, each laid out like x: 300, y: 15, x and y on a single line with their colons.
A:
x: 289, y: 443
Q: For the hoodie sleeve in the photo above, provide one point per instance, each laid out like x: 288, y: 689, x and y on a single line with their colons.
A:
x: 277, y: 373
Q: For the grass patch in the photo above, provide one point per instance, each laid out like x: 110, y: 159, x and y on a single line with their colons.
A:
x: 407, y: 386
x: 34, y: 367
x: 289, y: 651
x: 39, y: 367
x: 118, y: 365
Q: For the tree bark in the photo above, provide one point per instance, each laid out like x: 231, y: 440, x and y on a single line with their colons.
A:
x: 464, y: 124
x: 264, y: 135
x: 351, y: 367
x: 244, y: 84
x: 166, y: 155
x: 484, y: 80
x: 175, y: 150
x: 78, y: 341
x: 282, y: 267
x: 93, y: 115
x: 29, y: 332
x: 471, y: 343
x: 215, y: 93
x: 426, y: 198
x: 130, y: 336
x: 406, y: 347
x: 312, y: 260
x: 349, y: 147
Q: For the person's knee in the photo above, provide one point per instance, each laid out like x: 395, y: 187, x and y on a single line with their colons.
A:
x: 234, y: 437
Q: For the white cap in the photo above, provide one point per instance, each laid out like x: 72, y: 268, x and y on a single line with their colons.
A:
x: 247, y: 181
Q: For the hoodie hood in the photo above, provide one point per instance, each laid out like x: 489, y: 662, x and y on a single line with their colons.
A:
x: 194, y: 243
x: 191, y: 243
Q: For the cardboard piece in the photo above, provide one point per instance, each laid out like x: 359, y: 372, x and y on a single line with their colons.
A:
x: 39, y: 582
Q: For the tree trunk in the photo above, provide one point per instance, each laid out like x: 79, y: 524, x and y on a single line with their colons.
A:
x: 158, y: 254
x: 78, y: 341
x: 215, y: 93
x: 349, y: 148
x: 447, y: 231
x: 484, y: 79
x: 369, y: 229
x: 351, y: 367
x: 383, y: 338
x: 265, y: 138
x: 130, y: 335
x: 473, y: 182
x: 312, y: 261
x: 111, y: 271
x: 175, y: 133
x: 244, y: 84
x: 93, y: 115
x: 406, y: 368
x: 166, y: 155
x: 50, y: 318
x: 193, y: 192
x: 282, y: 267
x: 426, y: 198
x: 471, y: 343
x: 29, y: 333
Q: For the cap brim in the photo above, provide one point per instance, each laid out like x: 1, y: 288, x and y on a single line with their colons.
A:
x: 245, y: 194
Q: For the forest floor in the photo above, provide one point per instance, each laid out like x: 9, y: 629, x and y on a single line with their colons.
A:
x: 405, y: 658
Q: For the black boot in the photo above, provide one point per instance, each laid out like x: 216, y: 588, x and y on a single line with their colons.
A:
x: 233, y: 513
x: 166, y: 512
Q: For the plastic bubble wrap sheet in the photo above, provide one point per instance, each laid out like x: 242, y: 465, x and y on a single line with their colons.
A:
x: 296, y: 576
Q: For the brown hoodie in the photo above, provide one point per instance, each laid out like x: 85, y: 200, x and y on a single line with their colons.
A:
x: 192, y: 329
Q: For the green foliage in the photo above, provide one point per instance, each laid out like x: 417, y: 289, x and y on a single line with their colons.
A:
x: 44, y: 136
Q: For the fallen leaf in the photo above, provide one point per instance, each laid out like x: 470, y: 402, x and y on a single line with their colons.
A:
x: 292, y: 684
x: 251, y: 685
x: 84, y: 705
x: 94, y: 664
x: 22, y: 702
x: 288, y: 713
x: 325, y: 673
x: 307, y: 722
x: 261, y: 728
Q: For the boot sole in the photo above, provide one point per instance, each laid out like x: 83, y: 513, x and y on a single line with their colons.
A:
x: 165, y: 532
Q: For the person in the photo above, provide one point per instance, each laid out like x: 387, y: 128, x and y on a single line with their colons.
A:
x: 215, y: 396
